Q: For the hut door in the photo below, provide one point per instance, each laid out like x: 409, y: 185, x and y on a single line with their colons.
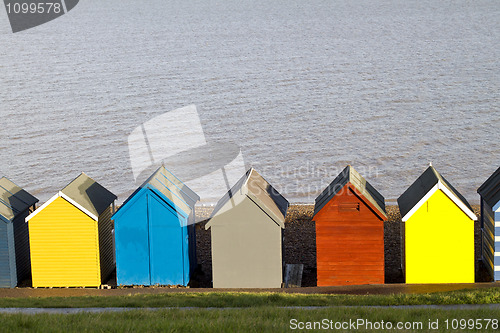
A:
x: 132, y: 255
x: 165, y: 244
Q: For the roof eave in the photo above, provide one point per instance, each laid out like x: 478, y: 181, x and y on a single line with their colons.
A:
x: 42, y: 207
x: 379, y: 211
x: 68, y: 199
x: 276, y: 219
x: 4, y: 219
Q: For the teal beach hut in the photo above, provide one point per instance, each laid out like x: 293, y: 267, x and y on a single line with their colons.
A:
x: 15, y: 205
x: 490, y: 223
x: 154, y: 233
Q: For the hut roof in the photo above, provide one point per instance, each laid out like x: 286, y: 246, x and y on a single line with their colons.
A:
x: 490, y: 190
x: 421, y: 190
x: 89, y: 194
x: 167, y: 183
x: 13, y: 199
x: 350, y: 175
x: 171, y: 187
x: 85, y: 194
x: 254, y: 186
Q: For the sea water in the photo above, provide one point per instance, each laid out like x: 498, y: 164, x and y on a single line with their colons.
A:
x: 300, y: 88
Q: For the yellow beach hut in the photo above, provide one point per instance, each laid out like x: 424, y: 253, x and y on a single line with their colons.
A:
x: 438, y: 232
x: 71, y: 236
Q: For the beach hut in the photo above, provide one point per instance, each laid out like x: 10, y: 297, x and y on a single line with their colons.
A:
x: 247, y: 235
x: 154, y: 233
x: 349, y: 216
x: 490, y: 223
x: 15, y: 205
x: 71, y: 236
x: 438, y: 232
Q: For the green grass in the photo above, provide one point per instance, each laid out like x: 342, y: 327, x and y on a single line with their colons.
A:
x: 214, y: 299
x: 260, y: 319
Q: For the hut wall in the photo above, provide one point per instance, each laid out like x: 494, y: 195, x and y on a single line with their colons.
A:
x: 246, y: 248
x: 64, y: 247
x: 106, y: 250
x: 488, y: 239
x: 22, y: 246
x: 7, y: 275
x: 152, y: 242
x: 132, y: 244
x: 439, y: 243
x: 349, y: 242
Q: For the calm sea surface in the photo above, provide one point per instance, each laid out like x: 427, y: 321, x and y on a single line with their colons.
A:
x: 301, y: 87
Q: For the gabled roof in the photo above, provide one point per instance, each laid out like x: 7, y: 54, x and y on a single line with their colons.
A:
x: 168, y: 184
x: 255, y: 187
x: 13, y: 199
x: 89, y: 194
x: 85, y: 194
x: 351, y: 176
x: 490, y: 190
x: 422, y: 189
x: 165, y: 182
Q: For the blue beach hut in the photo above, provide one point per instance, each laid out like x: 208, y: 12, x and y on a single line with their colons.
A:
x: 15, y: 205
x: 154, y: 233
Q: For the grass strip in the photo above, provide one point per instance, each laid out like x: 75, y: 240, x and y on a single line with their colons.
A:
x: 243, y: 299
x: 260, y: 319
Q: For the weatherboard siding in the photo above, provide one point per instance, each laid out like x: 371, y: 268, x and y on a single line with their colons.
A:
x: 489, y: 246
x: 12, y: 254
x: 22, y: 247
x: 488, y: 229
x: 349, y: 242
x: 439, y: 243
x: 5, y: 266
x: 64, y: 247
x: 106, y: 249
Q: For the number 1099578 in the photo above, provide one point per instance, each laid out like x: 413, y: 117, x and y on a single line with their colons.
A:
x: 34, y: 8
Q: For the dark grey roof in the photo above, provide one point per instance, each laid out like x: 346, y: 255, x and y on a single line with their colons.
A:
x: 350, y: 175
x: 89, y: 194
x: 490, y: 190
x: 421, y: 187
x: 266, y: 196
x: 13, y: 199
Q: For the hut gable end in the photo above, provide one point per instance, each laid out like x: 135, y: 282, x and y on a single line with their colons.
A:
x: 350, y: 179
x: 349, y: 200
x: 424, y: 187
x: 254, y: 187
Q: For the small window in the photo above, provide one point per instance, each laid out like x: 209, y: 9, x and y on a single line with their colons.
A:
x: 349, y: 207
